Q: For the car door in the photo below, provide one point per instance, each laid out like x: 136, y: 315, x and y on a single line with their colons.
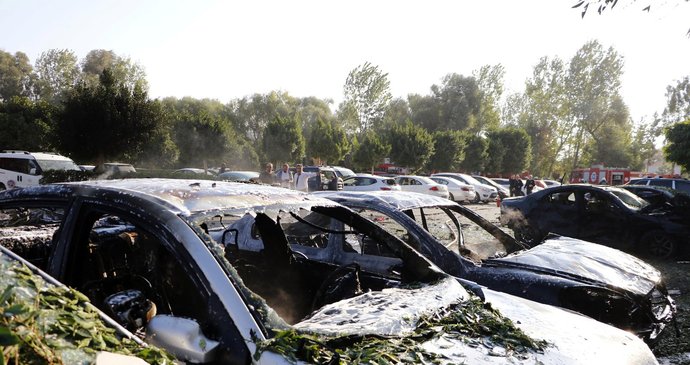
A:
x: 557, y: 213
x: 109, y: 252
x: 602, y: 219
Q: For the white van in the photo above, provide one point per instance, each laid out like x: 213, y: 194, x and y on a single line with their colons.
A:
x: 21, y: 168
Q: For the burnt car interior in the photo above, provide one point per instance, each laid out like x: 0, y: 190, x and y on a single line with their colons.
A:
x: 29, y: 231
x: 311, y: 258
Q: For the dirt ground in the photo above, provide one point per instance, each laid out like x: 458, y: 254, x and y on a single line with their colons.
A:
x: 670, y: 349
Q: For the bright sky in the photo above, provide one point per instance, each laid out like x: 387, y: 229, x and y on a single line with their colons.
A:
x: 223, y: 49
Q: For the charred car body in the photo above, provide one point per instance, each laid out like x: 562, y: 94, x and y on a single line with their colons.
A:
x: 158, y: 238
x: 603, y: 283
x: 603, y: 214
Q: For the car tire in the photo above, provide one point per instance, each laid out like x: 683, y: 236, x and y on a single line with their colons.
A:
x: 658, y: 244
x: 477, y: 198
x: 527, y: 234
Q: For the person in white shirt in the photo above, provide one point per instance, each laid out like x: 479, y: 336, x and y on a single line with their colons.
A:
x: 301, y: 178
x: 284, y: 176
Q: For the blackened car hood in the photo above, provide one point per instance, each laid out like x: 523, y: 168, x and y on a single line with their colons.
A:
x: 586, y: 261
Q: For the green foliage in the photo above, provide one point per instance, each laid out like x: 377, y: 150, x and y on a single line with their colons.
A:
x: 472, y: 322
x: 476, y: 154
x: 108, y: 122
x: 459, y: 101
x: 367, y: 92
x: 370, y: 151
x: 41, y: 323
x: 490, y: 83
x: 517, y: 147
x: 496, y: 152
x: 411, y: 146
x: 283, y: 141
x: 251, y: 115
x: 328, y: 142
x: 27, y: 125
x: 426, y: 112
x: 449, y: 149
x: 677, y: 102
x: 678, y: 144
x: 57, y: 73
x: 123, y: 69
x: 16, y: 76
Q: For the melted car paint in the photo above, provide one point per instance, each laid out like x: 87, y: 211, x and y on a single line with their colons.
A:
x: 589, y: 260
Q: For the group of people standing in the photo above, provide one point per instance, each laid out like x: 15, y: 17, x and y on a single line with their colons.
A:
x: 516, y: 184
x: 285, y: 177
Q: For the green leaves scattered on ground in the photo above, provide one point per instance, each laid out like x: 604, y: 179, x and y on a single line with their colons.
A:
x: 473, y: 322
x: 46, y: 324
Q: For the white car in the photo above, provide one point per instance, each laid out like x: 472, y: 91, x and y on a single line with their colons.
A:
x: 458, y: 191
x: 482, y: 192
x: 19, y: 169
x: 422, y: 184
x: 368, y: 182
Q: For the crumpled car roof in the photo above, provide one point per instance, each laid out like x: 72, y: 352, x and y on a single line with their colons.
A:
x: 189, y: 196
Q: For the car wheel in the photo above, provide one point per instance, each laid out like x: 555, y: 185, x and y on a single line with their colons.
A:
x: 477, y: 198
x: 527, y: 234
x: 658, y: 244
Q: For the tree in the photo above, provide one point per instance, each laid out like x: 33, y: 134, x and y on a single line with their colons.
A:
x: 370, y: 151
x: 460, y: 103
x: 448, y: 151
x: 27, y: 125
x: 642, y: 148
x: 57, y: 73
x: 496, y: 151
x: 426, y: 112
x: 677, y: 148
x: 490, y: 83
x: 328, y: 142
x: 475, y: 153
x: 518, y: 149
x: 593, y: 85
x: 367, y: 93
x: 16, y: 75
x: 677, y: 103
x: 283, y: 141
x: 251, y: 115
x: 122, y: 68
x: 411, y: 146
x: 107, y: 121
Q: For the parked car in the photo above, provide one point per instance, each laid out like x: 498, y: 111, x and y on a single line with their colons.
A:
x: 422, y: 184
x: 550, y: 183
x: 503, y: 191
x: 343, y: 172
x: 22, y: 168
x: 678, y: 184
x: 368, y: 182
x: 176, y: 242
x: 603, y: 283
x: 239, y: 176
x: 457, y: 191
x: 482, y: 192
x: 114, y: 169
x: 192, y: 171
x: 325, y: 178
x: 676, y: 200
x: 506, y: 184
x: 607, y: 215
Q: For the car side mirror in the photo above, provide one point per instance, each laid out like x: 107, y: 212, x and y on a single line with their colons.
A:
x: 181, y: 337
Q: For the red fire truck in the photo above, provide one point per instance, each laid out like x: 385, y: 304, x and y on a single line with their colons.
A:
x: 599, y: 174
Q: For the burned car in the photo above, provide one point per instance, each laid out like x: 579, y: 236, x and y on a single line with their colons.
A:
x: 63, y: 327
x: 606, y: 215
x: 606, y: 284
x: 177, y: 243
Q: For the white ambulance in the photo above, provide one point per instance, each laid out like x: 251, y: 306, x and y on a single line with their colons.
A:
x: 21, y: 168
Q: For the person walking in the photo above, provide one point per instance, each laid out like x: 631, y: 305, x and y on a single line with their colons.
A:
x: 529, y: 184
x: 284, y: 177
x: 268, y: 176
x: 301, y: 178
